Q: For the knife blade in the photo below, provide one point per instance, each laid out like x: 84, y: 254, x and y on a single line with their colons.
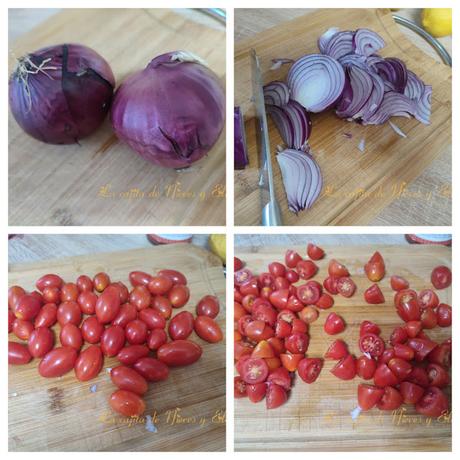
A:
x: 271, y: 215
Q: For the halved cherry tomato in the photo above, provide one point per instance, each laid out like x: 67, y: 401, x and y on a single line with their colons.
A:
x: 208, y: 306
x: 277, y: 269
x: 277, y: 345
x: 127, y: 403
x: 11, y: 319
x: 292, y: 258
x: 254, y: 370
x: 390, y: 400
x: 437, y: 375
x: 160, y: 285
x: 136, y: 332
x: 413, y: 328
x: 308, y: 314
x: 69, y: 312
x: 410, y: 392
x: 57, y: 362
x: 294, y: 304
x: 309, y: 369
x: 256, y: 392
x: 128, y: 313
x: 441, y: 277
x: 428, y: 299
x: 404, y: 351
x: 237, y: 264
x: 132, y: 354
x: 384, y: 376
x: 281, y: 377
x: 298, y: 326
x: 345, y: 369
x: 406, y: 303
x: 239, y: 387
x: 41, y: 341
x: 101, y: 281
x: 208, y: 329
x: 398, y: 283
x: 444, y: 315
x: 242, y: 276
x: 279, y: 299
x: 433, y: 403
x: 91, y: 330
x: 306, y: 269
x: 330, y: 284
x: 399, y: 335
x: 250, y: 287
x: 314, y: 252
x: 156, y: 339
x: 292, y: 276
x: 290, y: 361
x: 429, y: 318
x: 89, y: 363
x: 421, y: 347
x: 297, y: 343
x: 84, y: 283
x: 384, y: 358
x: 337, y: 350
x: 308, y: 293
x: 107, y: 306
x: 241, y: 348
x: 175, y: 276
x: 442, y: 355
x: 365, y: 367
x: 179, y: 353
x: 337, y: 269
x: 128, y: 379
x: 346, y: 286
x: 112, y: 340
x: 264, y: 312
x: 334, y: 324
x: 18, y: 353
x: 373, y: 295
x: 400, y: 367
x: 368, y: 327
x: 419, y: 376
x: 325, y: 301
x: 273, y: 363
x: 87, y: 301
x: 369, y: 396
x: 70, y: 336
x: 375, y: 267
x: 263, y: 350
x: 258, y: 330
x: 151, y: 369
x: 276, y: 396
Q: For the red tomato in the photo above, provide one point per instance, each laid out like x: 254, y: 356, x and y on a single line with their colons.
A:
x: 419, y: 376
x: 429, y: 318
x: 398, y: 283
x: 292, y: 276
x: 122, y: 290
x: 433, y: 403
x: 52, y: 295
x: 314, y: 252
x: 264, y: 279
x: 308, y: 293
x: 391, y: 399
x: 330, y: 284
x: 140, y: 297
x: 276, y: 396
x: 441, y: 277
x: 89, y: 363
x: 101, y: 281
x: 69, y: 312
x: 57, y: 362
x: 385, y: 357
x: 238, y: 311
x: 127, y: 314
x: 437, y: 375
x: 421, y: 347
x: 256, y: 392
x: 291, y: 361
x: 14, y: 293
x: 242, y: 276
x: 375, y: 268
x: 112, y: 340
x: 297, y: 343
x: 179, y: 295
x: 306, y: 269
x: 69, y: 292
x: 156, y: 339
x: 50, y: 280
x: 136, y: 332
x: 41, y: 341
x: 138, y: 278
x: 365, y: 367
x: 84, y: 283
x: 241, y: 348
x: 240, y: 387
x: 277, y: 269
x: 428, y: 299
x: 179, y: 353
x: 345, y: 369
x: 371, y: 344
x: 70, y: 336
x: 27, y: 307
x: 337, y: 350
x: 11, y: 319
x: 399, y: 335
x: 280, y: 377
x: 308, y: 314
x: 237, y: 264
x: 406, y: 303
x: 258, y: 330
x: 400, y: 367
x: 127, y: 403
x: 22, y: 329
x: 373, y: 295
x: 277, y: 345
x: 298, y: 326
x: 410, y: 392
x: 264, y: 312
x: 18, y: 353
x: 208, y: 306
x: 294, y: 304
x: 442, y: 355
x: 133, y: 353
x: 334, y: 324
x: 160, y: 285
x: 286, y: 315
x: 87, y: 301
x: 325, y: 301
x: 369, y: 396
x: 208, y: 329
x: 279, y: 299
x: 152, y: 369
x: 403, y: 351
x: 346, y: 286
x: 336, y: 269
x: 162, y: 305
x: 107, y: 306
x: 248, y: 301
x: 384, y: 376
x: 444, y: 315
x: 181, y: 325
x: 152, y: 318
x: 128, y: 379
x: 250, y: 287
x: 281, y: 283
x: 309, y: 369
x: 368, y: 327
x: 292, y: 258
x: 91, y: 330
x: 413, y: 328
x: 175, y: 276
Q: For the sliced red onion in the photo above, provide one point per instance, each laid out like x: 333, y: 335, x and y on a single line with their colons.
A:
x: 301, y: 178
x: 240, y: 153
x: 375, y: 99
x: 397, y: 129
x: 276, y: 93
x: 414, y: 87
x: 340, y: 44
x: 324, y: 39
x: 393, y: 105
x: 394, y: 73
x: 277, y: 63
x: 423, y: 107
x: 293, y: 123
x: 316, y: 81
x: 367, y: 42
x: 354, y: 59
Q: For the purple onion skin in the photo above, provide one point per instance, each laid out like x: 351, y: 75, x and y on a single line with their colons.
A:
x: 68, y: 100
x: 171, y: 113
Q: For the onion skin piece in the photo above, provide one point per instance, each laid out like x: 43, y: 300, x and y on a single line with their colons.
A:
x: 69, y: 97
x: 172, y: 112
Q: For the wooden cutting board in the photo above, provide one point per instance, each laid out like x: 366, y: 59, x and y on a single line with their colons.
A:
x: 63, y: 414
x: 357, y: 186
x: 317, y: 416
x: 101, y: 181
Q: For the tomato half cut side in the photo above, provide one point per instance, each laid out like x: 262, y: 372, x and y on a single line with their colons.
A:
x: 371, y: 344
x: 441, y: 277
x: 254, y: 370
x: 346, y: 286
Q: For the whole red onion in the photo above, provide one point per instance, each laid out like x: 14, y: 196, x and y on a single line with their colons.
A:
x: 172, y: 112
x: 61, y: 93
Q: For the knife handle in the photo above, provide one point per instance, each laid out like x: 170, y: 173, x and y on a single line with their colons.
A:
x: 271, y: 215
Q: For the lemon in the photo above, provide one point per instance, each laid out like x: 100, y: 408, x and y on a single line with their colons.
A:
x: 218, y: 246
x: 437, y: 21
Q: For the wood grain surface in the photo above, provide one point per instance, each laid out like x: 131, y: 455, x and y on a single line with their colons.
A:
x: 317, y: 417
x: 358, y: 186
x: 63, y: 414
x: 101, y: 181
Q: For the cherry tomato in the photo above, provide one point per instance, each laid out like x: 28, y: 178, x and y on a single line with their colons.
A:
x: 407, y: 306
x: 87, y: 301
x: 346, y: 286
x: 208, y: 329
x: 136, y: 332
x: 308, y: 293
x: 375, y: 268
x: 156, y: 339
x: 413, y: 328
x: 237, y: 264
x: 309, y: 369
x: 175, y: 276
x: 391, y: 399
x: 429, y: 318
x: 257, y: 330
x: 399, y: 335
x: 369, y: 396
x: 337, y: 350
x: 101, y: 281
x: 308, y: 314
x: 292, y: 258
x: 179, y: 353
x: 330, y: 284
x: 132, y: 354
x: 403, y: 351
x: 441, y: 354
x: 256, y: 392
x: 368, y: 327
x: 385, y: 357
x: 433, y: 403
x: 89, y: 363
x: 160, y: 285
x: 428, y: 299
x: 276, y: 396
x: 71, y: 336
x: 41, y: 341
x: 437, y: 375
x: 139, y: 278
x: 127, y: 403
x: 179, y: 295
x: 264, y: 279
x: 264, y: 312
x: 69, y: 292
x: 279, y: 299
x: 421, y: 347
x: 306, y: 269
x: 334, y: 324
x: 277, y: 269
x: 127, y: 314
x: 128, y: 379
x: 113, y: 340
x: 240, y: 387
x: 51, y: 295
x: 297, y: 343
x: 208, y: 306
x: 291, y: 361
x: 181, y: 325
x: 345, y: 369
x: 152, y: 369
x: 410, y: 392
x: 122, y: 290
x: 314, y: 252
x: 365, y: 367
x: 400, y: 367
x: 152, y: 318
x: 11, y: 319
x: 371, y: 344
x: 419, y: 376
x: 292, y: 276
x: 241, y: 348
x: 398, y: 283
x: 18, y: 353
x: 69, y: 312
x: 22, y: 329
x: 248, y: 301
x: 325, y: 301
x: 373, y: 295
x: 384, y: 376
x: 441, y: 277
x: 107, y: 306
x: 163, y: 306
x: 84, y: 283
x: 337, y: 269
x: 140, y: 297
x: 49, y: 280
x: 57, y: 362
x: 14, y: 293
x: 281, y: 283
x: 277, y: 345
x: 27, y: 307
x: 242, y: 276
x: 91, y: 330
x: 444, y: 315
x: 281, y: 377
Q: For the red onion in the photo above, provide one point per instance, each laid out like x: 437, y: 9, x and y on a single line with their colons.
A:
x: 325, y: 38
x: 172, y: 112
x: 301, y: 178
x: 340, y: 44
x: 276, y: 93
x: 414, y: 87
x: 316, y: 81
x: 423, y: 107
x: 61, y: 93
x: 367, y: 42
x: 240, y: 152
x: 393, y: 105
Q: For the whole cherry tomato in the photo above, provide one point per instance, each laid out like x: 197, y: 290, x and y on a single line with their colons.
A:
x: 337, y: 350
x: 85, y: 283
x: 101, y: 281
x: 91, y: 330
x: 346, y: 286
x: 373, y: 295
x: 87, y: 301
x: 69, y: 312
x: 107, y: 306
x: 22, y: 329
x: 371, y: 344
x: 179, y: 353
x: 160, y: 285
x: 384, y: 376
x: 140, y: 297
x: 112, y: 340
x: 444, y: 315
x: 152, y: 369
x: 152, y: 318
x: 208, y: 329
x: 27, y: 307
x: 309, y: 369
x: 70, y: 336
x: 410, y: 392
x: 49, y: 280
x: 51, y: 295
x: 345, y: 369
x: 179, y: 295
x: 181, y: 325
x: 369, y: 396
x: 126, y: 314
x: 314, y: 252
x: 337, y: 269
x: 18, y: 353
x: 375, y: 268
x: 14, y: 293
x: 139, y: 278
x: 127, y: 403
x: 156, y: 339
x: 175, y: 276
x: 292, y: 276
x: 128, y: 379
x: 306, y: 269
x: 407, y: 306
x: 276, y: 396
x: 122, y: 291
x: 292, y: 258
x: 162, y: 305
x: 240, y: 387
x: 428, y: 299
x: 47, y: 316
x: 398, y: 283
x: 89, y: 363
x: 365, y: 367
x: 208, y: 306
x: 41, y: 341
x: 57, y: 362
x: 69, y: 292
x: 390, y: 400
x: 441, y: 277
x: 132, y: 354
x: 334, y: 324
x: 433, y: 403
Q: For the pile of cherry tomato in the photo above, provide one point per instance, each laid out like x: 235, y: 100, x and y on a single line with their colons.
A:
x: 114, y: 321
x: 272, y: 317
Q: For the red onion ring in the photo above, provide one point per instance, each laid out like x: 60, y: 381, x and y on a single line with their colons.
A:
x: 324, y: 39
x: 367, y: 42
x: 276, y: 93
